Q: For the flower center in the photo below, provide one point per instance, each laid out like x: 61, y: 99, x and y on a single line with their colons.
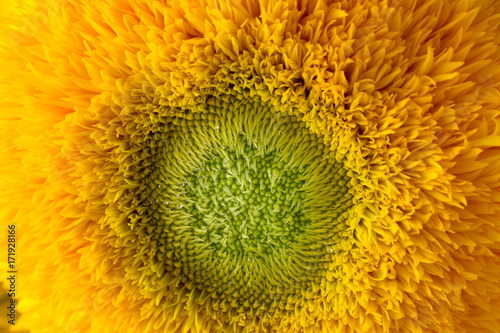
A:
x: 251, y: 206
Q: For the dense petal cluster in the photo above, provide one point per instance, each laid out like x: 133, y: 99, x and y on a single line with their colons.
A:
x: 253, y: 166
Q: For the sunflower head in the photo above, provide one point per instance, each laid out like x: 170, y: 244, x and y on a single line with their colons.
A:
x: 254, y: 166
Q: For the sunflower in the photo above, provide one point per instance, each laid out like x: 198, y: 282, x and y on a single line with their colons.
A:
x: 252, y: 166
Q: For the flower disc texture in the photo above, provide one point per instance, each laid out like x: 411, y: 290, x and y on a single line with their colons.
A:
x: 252, y: 166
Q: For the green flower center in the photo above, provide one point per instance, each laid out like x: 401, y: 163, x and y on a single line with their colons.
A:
x: 249, y: 206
